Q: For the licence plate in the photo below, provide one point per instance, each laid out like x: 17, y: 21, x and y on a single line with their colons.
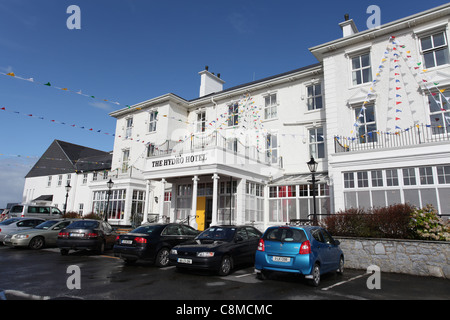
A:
x: 182, y: 260
x: 127, y: 241
x: 281, y: 259
x: 77, y: 235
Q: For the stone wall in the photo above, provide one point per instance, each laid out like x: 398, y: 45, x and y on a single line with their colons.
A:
x: 421, y: 258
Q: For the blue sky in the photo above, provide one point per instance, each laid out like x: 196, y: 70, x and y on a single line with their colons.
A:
x: 134, y: 50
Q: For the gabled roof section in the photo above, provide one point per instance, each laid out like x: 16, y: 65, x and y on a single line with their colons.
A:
x: 62, y: 157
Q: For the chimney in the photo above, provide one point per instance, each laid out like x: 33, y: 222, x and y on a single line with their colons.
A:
x: 348, y: 26
x: 209, y: 82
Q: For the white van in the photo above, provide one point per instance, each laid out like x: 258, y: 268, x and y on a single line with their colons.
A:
x: 34, y: 211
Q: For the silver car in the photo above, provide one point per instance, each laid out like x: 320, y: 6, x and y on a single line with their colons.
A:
x: 45, y: 234
x: 17, y: 224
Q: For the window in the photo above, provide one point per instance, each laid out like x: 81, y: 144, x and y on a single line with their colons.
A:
x: 138, y: 202
x: 85, y: 178
x: 439, y: 112
x: 94, y: 176
x: 316, y: 143
x: 349, y: 180
x: 391, y: 177
x: 367, y: 126
x: 129, y: 128
x: 201, y: 121
x: 443, y: 174
x: 152, y: 121
x: 167, y: 196
x: 49, y: 181
x: 426, y: 175
x: 314, y: 93
x: 150, y: 150
x: 68, y: 179
x: 270, y: 106
x: 116, y: 204
x: 80, y: 208
x: 363, y: 179
x: 233, y: 114
x: 125, y: 159
x: 409, y: 177
x: 60, y: 178
x: 434, y: 49
x: 232, y: 144
x: 361, y: 69
x: 272, y: 147
x: 377, y: 178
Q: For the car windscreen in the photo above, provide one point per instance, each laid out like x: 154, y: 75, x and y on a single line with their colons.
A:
x: 285, y: 235
x: 46, y: 225
x: 217, y: 233
x: 147, y: 229
x: 83, y: 225
x: 9, y: 221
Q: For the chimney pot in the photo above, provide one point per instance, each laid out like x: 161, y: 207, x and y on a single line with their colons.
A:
x: 346, y: 17
x: 206, y: 68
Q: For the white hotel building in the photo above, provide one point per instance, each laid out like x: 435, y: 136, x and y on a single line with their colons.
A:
x: 373, y: 112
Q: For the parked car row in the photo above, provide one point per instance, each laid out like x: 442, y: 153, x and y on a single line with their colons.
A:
x: 305, y: 250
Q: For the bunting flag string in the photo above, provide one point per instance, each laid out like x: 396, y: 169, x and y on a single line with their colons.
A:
x: 54, y: 121
x: 48, y: 84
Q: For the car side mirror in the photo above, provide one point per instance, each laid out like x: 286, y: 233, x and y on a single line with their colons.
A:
x: 238, y: 239
x: 337, y: 242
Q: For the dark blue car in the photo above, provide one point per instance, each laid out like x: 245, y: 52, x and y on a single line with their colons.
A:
x: 306, y: 250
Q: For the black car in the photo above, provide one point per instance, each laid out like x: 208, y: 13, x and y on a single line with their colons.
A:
x: 218, y: 248
x: 152, y: 242
x: 86, y: 234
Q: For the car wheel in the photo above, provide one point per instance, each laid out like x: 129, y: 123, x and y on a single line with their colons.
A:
x: 340, y: 270
x: 64, y: 252
x: 162, y: 258
x: 315, y: 276
x: 36, y: 243
x: 225, y: 266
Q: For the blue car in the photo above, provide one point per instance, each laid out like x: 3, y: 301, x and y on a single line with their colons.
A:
x: 305, y: 250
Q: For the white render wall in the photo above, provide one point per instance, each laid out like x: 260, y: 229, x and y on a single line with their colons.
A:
x: 342, y: 97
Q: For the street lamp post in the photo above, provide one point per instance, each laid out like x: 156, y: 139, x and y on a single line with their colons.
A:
x: 312, y: 166
x: 110, y: 184
x: 68, y: 187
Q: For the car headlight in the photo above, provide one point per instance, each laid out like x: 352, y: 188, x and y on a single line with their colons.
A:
x: 205, y: 254
x: 173, y: 251
x: 20, y: 236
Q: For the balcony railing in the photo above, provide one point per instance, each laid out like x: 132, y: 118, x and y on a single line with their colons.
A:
x: 202, y: 141
x: 415, y: 135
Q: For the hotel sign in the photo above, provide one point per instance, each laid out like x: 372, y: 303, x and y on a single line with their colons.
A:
x: 179, y: 160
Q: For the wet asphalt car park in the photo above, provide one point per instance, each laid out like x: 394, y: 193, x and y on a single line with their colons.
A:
x: 46, y: 275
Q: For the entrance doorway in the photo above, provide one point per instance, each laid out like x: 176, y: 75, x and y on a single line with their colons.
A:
x: 204, y: 212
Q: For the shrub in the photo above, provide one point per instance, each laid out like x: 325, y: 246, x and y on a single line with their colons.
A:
x: 427, y: 225
x: 71, y: 215
x: 92, y: 215
x: 385, y: 222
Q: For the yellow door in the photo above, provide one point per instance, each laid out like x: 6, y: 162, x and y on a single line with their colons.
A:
x: 200, y: 214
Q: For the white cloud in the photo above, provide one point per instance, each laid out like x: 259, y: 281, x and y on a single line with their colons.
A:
x: 12, y: 180
x: 101, y: 105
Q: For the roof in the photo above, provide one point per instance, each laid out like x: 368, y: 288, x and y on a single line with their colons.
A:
x: 180, y: 100
x: 63, y: 157
x: 387, y: 29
